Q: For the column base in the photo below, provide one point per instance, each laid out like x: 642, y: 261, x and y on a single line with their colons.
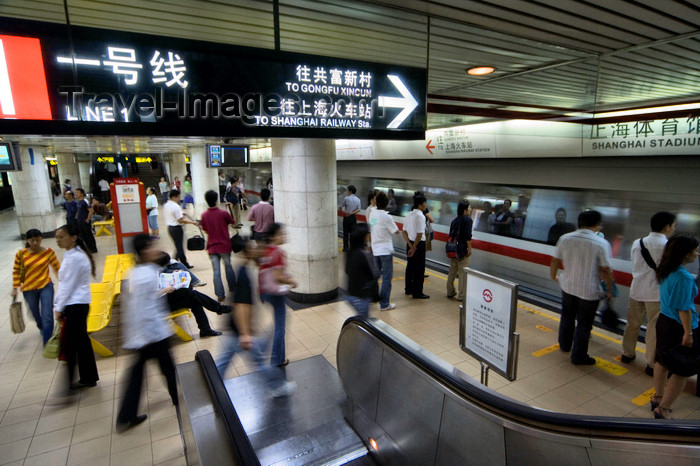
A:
x: 313, y: 298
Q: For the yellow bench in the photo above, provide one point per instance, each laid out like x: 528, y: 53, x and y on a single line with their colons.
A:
x: 179, y: 331
x: 117, y: 266
x: 100, y: 313
x: 102, y: 227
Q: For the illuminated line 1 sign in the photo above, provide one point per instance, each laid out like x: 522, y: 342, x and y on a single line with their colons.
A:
x: 142, y: 84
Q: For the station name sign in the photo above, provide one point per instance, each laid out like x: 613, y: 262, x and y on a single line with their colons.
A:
x: 155, y: 85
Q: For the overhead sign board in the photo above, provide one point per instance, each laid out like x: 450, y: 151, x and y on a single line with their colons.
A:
x: 123, y: 83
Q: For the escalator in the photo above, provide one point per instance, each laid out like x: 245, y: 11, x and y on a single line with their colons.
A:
x: 393, y: 402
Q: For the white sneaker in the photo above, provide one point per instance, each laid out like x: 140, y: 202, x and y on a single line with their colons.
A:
x: 388, y: 308
x: 201, y: 283
x: 286, y: 389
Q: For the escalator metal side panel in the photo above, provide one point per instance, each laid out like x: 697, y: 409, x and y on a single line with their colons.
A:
x: 206, y: 438
x: 468, y: 431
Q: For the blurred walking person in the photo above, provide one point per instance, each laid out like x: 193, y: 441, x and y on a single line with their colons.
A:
x: 146, y: 329
x: 31, y: 274
x: 361, y: 270
x: 72, y: 306
x: 274, y: 284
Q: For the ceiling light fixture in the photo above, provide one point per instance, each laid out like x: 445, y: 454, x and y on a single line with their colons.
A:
x: 480, y: 70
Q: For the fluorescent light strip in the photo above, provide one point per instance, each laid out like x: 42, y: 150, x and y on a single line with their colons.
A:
x: 640, y: 111
x: 6, y: 101
x: 78, y: 61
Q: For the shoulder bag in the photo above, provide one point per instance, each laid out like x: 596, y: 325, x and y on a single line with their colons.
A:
x: 645, y: 254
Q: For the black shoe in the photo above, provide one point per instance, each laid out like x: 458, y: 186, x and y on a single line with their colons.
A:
x: 123, y: 426
x: 423, y: 296
x: 627, y: 359
x: 649, y: 371
x: 587, y: 361
x: 209, y: 333
x: 224, y: 309
x: 77, y: 385
x: 189, y: 266
x: 407, y: 293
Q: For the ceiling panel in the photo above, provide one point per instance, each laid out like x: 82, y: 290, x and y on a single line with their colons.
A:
x: 547, y: 53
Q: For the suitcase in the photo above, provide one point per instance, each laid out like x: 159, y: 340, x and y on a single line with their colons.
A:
x: 197, y: 242
x: 16, y: 316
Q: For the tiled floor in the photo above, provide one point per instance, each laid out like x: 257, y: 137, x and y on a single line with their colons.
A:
x: 32, y: 431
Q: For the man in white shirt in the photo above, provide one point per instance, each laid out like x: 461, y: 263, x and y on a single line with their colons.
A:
x: 586, y: 260
x: 174, y: 219
x: 104, y: 190
x: 382, y: 226
x: 414, y: 234
x: 644, y: 291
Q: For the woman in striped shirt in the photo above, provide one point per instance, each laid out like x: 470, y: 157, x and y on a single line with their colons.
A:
x: 31, y: 275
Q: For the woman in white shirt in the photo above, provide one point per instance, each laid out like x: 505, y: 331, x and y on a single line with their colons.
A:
x: 152, y: 210
x: 72, y: 305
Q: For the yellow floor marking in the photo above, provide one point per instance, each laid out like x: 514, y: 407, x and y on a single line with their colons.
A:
x: 644, y: 398
x: 618, y: 358
x: 398, y: 278
x: 607, y: 366
x: 542, y: 327
x: 547, y: 350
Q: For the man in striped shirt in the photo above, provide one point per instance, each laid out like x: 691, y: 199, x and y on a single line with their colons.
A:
x: 585, y: 257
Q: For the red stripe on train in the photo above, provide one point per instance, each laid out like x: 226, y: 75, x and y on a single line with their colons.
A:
x: 621, y: 278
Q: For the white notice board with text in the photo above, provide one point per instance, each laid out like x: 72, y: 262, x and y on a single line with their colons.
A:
x: 487, y: 322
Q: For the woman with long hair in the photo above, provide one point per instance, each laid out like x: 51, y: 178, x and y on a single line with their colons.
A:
x: 72, y: 306
x: 31, y: 274
x: 677, y: 324
x: 274, y: 284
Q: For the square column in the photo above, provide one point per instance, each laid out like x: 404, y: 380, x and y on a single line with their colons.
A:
x: 304, y: 177
x: 31, y: 189
x: 203, y: 179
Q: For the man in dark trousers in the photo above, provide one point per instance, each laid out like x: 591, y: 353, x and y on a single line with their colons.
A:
x: 82, y: 216
x: 414, y: 234
x: 350, y: 207
x: 586, y: 260
x: 175, y: 219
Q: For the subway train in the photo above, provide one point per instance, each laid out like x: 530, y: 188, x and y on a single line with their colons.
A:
x: 626, y: 190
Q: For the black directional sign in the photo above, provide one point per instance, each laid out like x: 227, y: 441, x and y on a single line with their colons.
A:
x: 114, y: 82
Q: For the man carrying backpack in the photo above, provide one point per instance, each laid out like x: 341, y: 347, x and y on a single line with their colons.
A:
x: 459, y: 249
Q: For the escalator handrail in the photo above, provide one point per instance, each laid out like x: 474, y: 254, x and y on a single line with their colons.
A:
x: 242, y: 448
x: 519, y: 412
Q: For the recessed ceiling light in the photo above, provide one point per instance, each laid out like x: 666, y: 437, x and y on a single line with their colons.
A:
x: 480, y: 70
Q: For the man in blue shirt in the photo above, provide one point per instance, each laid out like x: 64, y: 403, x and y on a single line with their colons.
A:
x: 350, y: 207
x: 71, y: 207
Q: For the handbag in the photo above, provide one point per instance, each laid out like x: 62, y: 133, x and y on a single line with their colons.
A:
x: 16, y: 316
x: 609, y: 316
x: 196, y: 243
x: 53, y: 347
x: 237, y: 243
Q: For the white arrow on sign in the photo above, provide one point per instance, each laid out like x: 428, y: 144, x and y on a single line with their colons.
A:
x: 407, y: 102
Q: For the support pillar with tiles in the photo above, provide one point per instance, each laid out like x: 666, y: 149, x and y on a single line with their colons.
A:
x: 304, y: 177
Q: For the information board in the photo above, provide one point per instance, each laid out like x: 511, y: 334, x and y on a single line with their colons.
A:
x: 129, y: 208
x: 487, y: 322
